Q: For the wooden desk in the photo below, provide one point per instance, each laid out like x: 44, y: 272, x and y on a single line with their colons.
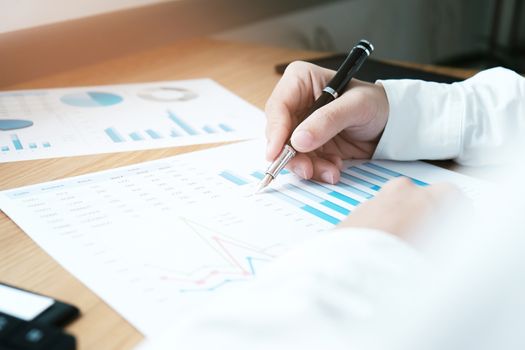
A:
x: 247, y: 70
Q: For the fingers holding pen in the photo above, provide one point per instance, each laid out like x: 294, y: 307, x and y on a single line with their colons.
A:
x: 301, y: 83
x: 278, y: 129
x: 351, y: 109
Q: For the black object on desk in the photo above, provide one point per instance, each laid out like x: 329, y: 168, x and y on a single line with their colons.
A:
x: 18, y: 334
x: 374, y: 70
x: 30, y: 321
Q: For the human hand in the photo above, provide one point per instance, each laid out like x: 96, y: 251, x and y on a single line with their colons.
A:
x: 400, y: 206
x: 349, y: 127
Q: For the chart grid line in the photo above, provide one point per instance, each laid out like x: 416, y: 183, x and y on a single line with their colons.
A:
x: 360, y: 181
x: 368, y: 174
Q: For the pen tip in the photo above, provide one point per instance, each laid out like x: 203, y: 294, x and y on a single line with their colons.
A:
x: 263, y: 184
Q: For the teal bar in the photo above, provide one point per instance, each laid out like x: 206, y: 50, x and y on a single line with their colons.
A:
x: 344, y: 198
x: 321, y: 215
x: 5, y: 148
x: 114, y: 135
x: 209, y: 129
x: 232, y: 178
x: 360, y: 181
x: 46, y: 144
x: 318, y: 199
x: 335, y: 207
x: 135, y: 136
x: 369, y: 174
x: 332, y: 193
x: 382, y: 170
x: 355, y: 190
x: 182, y: 124
x: 393, y: 173
x: 153, y: 134
x: 16, y: 142
x: 258, y: 175
x: 32, y: 145
x: 226, y: 127
x: 286, y: 198
x: 305, y: 207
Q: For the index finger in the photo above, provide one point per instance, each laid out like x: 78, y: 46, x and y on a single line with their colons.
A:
x: 301, y: 83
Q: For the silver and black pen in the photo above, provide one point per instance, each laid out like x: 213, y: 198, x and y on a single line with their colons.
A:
x: 333, y: 89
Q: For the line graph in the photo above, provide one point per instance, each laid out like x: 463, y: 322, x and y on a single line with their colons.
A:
x: 239, y: 261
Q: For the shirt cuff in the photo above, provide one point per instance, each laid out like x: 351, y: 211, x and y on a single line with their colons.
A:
x: 425, y: 120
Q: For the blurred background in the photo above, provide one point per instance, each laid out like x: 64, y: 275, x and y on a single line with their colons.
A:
x: 463, y: 33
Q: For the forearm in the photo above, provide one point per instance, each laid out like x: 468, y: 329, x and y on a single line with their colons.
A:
x: 473, y: 121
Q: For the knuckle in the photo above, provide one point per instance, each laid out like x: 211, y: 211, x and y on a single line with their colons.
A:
x: 297, y: 68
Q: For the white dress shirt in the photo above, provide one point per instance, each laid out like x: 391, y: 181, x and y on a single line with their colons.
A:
x: 463, y: 288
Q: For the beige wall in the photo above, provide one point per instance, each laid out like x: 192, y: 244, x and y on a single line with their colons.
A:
x: 47, y: 49
x: 21, y: 14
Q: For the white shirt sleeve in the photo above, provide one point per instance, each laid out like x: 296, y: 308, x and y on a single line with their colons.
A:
x: 473, y: 121
x: 307, y: 299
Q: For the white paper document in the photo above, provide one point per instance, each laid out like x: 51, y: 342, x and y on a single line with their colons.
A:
x: 36, y: 124
x: 157, y: 238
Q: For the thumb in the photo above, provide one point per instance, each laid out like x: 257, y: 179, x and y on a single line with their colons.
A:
x: 329, y: 120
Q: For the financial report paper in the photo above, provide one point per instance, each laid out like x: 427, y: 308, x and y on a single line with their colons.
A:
x: 36, y: 124
x: 157, y: 239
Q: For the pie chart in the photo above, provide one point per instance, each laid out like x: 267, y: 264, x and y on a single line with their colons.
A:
x: 91, y: 99
x: 13, y: 124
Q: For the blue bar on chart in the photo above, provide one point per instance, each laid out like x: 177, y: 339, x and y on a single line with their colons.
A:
x: 32, y: 145
x: 368, y: 174
x: 260, y: 175
x: 355, y: 190
x: 360, y: 181
x: 174, y: 133
x: 114, y: 135
x: 313, y: 197
x: 393, y: 173
x: 153, y: 134
x: 46, y: 144
x: 305, y: 207
x: 135, y: 136
x: 332, y: 193
x: 209, y: 129
x: 5, y: 148
x: 182, y: 124
x: 233, y: 178
x: 16, y: 142
x: 226, y: 127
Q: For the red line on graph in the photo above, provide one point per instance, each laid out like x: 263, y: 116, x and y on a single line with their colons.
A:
x: 218, y: 244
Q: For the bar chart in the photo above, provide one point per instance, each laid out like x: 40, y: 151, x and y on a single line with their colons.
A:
x: 118, y: 118
x: 329, y: 203
x: 180, y: 128
x: 16, y: 144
